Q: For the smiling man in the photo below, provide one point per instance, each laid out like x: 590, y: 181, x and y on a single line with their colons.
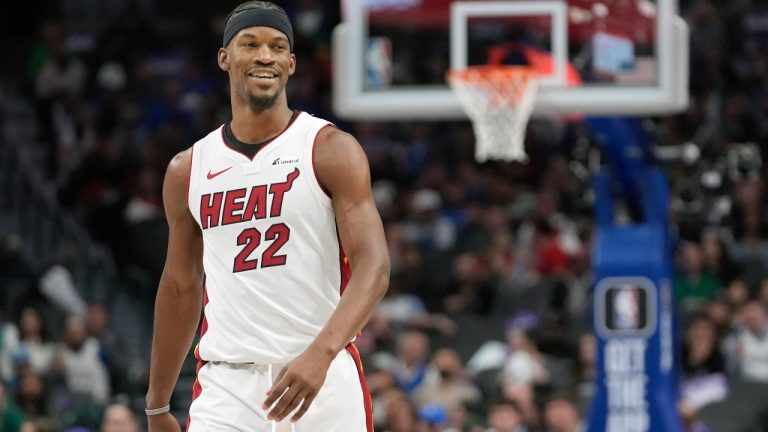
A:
x: 274, y: 233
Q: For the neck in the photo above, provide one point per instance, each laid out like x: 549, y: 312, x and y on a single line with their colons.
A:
x: 257, y: 126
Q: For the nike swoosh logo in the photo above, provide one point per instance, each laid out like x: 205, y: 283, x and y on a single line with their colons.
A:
x: 211, y: 175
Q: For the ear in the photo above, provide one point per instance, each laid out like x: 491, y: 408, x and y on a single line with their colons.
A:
x: 223, y: 59
x: 292, y: 68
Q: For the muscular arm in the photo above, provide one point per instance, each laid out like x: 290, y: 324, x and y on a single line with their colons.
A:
x: 342, y: 169
x: 180, y: 294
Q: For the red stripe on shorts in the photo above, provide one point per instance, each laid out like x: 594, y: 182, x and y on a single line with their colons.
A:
x: 197, y: 389
x: 366, y: 395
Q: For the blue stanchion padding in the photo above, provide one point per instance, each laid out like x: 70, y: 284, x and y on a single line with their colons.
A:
x: 638, y: 360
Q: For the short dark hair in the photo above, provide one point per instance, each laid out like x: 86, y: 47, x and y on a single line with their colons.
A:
x: 503, y: 401
x: 265, y: 5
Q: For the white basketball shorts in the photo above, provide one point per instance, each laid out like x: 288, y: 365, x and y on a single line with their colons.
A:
x: 228, y: 398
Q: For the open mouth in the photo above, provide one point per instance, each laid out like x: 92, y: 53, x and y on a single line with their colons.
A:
x: 262, y: 75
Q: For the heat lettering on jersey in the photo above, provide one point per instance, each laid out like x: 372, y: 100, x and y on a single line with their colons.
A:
x: 242, y: 205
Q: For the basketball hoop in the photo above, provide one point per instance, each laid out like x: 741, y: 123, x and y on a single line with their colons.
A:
x: 499, y: 101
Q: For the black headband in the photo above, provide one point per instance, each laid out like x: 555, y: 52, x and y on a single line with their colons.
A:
x: 258, y: 18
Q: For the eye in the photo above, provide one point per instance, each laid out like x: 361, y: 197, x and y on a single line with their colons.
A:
x: 280, y: 47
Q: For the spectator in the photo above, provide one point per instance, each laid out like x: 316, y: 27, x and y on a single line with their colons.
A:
x: 715, y: 256
x: 719, y: 314
x: 460, y: 419
x: 551, y: 257
x: 406, y: 310
x: 58, y: 85
x: 426, y: 226
x: 473, y: 290
x: 33, y: 394
x: 694, y: 284
x: 504, y: 416
x: 737, y: 295
x: 586, y: 372
x: 401, y: 414
x: 119, y: 418
x: 9, y: 343
x: 561, y: 415
x: 113, y: 349
x: 11, y: 417
x: 525, y: 363
x: 382, y: 383
x: 412, y: 352
x: 432, y: 417
x: 690, y: 418
x: 446, y: 383
x: 36, y: 348
x: 524, y: 398
x: 79, y: 361
x: 749, y: 347
x: 701, y: 355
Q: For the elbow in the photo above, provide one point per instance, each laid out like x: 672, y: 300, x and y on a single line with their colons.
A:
x: 180, y: 286
x: 382, y: 277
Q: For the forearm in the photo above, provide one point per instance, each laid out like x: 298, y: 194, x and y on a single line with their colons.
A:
x: 177, y: 314
x: 364, y: 290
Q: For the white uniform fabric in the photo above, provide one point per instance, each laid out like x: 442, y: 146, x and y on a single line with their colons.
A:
x: 273, y: 280
x: 274, y: 273
x: 231, y: 397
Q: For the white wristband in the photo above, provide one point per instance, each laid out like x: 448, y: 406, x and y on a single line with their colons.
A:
x: 157, y: 411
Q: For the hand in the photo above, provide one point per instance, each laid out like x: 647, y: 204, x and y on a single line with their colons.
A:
x: 163, y: 423
x: 298, y: 383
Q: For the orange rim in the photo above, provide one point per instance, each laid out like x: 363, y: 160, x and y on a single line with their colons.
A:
x: 508, y: 84
x: 485, y: 73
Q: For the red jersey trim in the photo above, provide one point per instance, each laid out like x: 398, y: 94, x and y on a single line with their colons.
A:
x: 314, y: 170
x: 345, y: 269
x: 189, y: 180
x: 366, y: 395
x: 197, y: 389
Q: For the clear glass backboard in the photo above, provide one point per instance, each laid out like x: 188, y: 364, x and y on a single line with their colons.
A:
x: 593, y: 56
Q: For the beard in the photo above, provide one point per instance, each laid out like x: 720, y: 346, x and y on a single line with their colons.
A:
x: 259, y: 103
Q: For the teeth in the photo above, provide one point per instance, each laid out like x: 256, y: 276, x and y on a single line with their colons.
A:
x: 263, y: 75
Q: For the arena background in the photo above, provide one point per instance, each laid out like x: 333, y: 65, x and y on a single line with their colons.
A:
x: 488, y: 313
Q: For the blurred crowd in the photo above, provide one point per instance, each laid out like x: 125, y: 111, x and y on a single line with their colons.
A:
x: 486, y: 324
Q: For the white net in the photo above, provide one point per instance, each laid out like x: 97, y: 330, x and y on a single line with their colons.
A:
x: 499, y: 101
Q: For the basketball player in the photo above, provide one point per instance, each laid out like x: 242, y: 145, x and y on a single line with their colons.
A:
x: 274, y: 230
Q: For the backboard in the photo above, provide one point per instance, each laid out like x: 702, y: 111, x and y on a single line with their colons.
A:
x: 607, y: 57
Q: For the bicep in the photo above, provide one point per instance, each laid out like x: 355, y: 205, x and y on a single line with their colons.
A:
x: 343, y: 170
x: 360, y: 228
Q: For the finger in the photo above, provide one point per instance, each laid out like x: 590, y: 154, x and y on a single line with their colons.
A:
x: 278, y: 388
x: 287, y: 403
x: 274, y: 394
x: 278, y: 378
x: 304, y: 407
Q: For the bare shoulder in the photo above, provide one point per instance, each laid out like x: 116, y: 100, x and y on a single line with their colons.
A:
x: 176, y: 183
x: 338, y: 153
x: 179, y: 165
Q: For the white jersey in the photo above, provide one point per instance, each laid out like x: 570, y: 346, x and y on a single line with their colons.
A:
x: 272, y: 259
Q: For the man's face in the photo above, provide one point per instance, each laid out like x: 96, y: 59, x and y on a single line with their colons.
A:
x: 561, y: 416
x: 119, y: 419
x: 754, y: 317
x: 504, y: 418
x: 259, y: 62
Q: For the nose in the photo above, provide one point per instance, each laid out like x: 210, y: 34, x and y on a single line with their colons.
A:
x: 263, y: 55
